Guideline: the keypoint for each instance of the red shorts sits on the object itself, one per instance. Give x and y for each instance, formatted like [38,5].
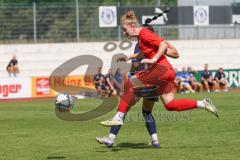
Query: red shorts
[158,75]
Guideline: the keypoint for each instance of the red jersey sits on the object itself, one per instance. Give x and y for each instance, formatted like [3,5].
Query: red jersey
[149,43]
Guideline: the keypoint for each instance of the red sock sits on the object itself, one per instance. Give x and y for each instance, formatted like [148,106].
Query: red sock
[181,105]
[128,98]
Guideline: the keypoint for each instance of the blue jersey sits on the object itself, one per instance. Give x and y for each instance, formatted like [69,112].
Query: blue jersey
[219,75]
[178,75]
[136,51]
[136,60]
[206,74]
[118,77]
[185,76]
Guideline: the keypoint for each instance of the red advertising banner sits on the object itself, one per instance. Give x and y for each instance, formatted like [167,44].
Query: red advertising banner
[15,88]
[41,87]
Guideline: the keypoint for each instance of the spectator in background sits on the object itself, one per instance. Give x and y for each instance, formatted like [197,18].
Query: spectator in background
[177,80]
[185,81]
[221,81]
[118,81]
[207,79]
[12,67]
[197,86]
[98,81]
[109,89]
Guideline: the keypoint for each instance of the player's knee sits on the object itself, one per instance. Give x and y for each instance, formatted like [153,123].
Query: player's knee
[170,106]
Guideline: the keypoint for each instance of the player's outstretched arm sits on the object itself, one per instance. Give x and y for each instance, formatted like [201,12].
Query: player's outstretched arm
[171,51]
[161,50]
[131,56]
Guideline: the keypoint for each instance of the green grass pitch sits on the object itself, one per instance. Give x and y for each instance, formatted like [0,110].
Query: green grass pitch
[31,131]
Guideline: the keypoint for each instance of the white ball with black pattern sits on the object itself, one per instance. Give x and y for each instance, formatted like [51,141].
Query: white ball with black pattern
[64,102]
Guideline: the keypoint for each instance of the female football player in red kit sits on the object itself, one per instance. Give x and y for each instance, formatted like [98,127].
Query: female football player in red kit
[147,103]
[159,73]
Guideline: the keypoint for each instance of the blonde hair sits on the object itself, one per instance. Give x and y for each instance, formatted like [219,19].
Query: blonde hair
[129,18]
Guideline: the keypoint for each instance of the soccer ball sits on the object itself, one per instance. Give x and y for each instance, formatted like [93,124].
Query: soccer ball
[64,102]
